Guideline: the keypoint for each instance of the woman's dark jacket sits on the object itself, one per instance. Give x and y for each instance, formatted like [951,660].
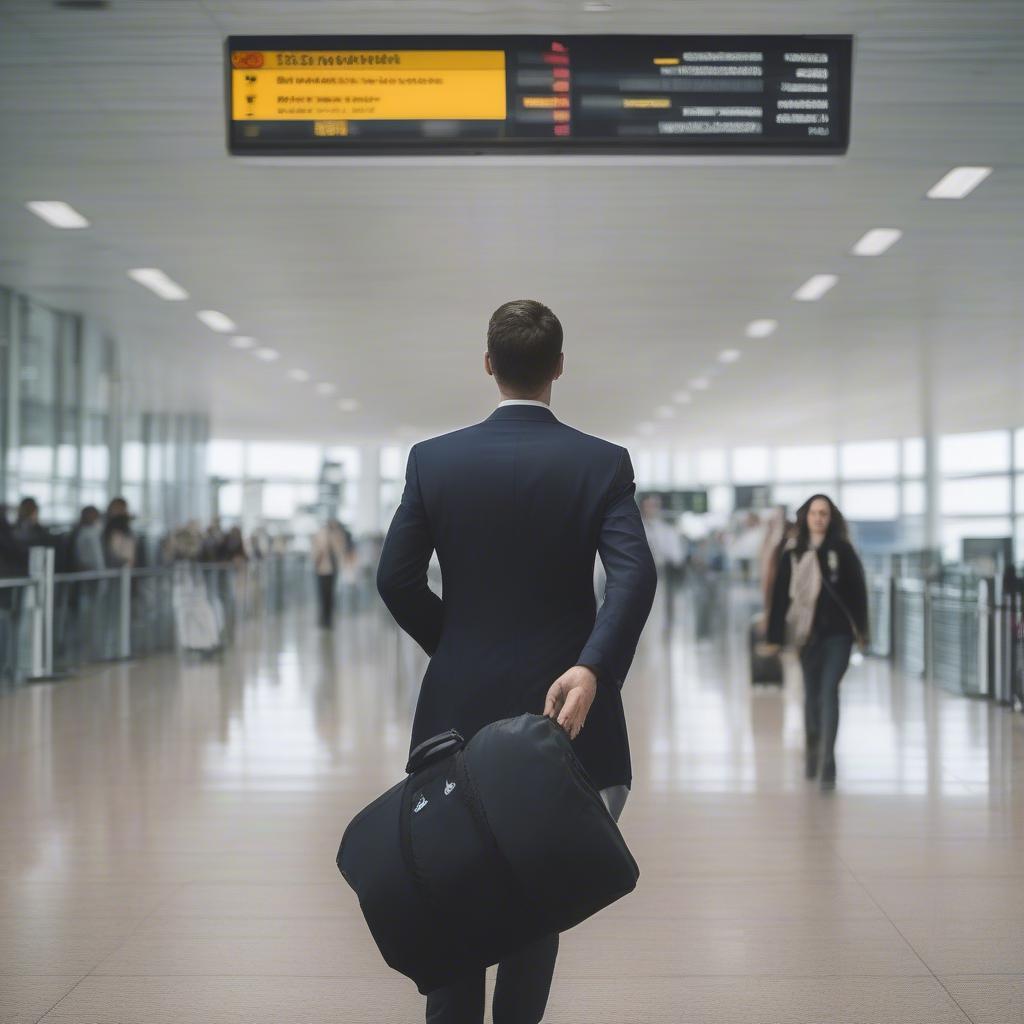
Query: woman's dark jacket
[842,602]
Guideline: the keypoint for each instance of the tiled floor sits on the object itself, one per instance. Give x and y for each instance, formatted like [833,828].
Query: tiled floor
[170,832]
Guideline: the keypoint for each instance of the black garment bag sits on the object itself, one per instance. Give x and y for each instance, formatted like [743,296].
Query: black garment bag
[483,848]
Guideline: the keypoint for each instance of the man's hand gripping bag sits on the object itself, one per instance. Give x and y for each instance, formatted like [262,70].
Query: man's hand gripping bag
[483,848]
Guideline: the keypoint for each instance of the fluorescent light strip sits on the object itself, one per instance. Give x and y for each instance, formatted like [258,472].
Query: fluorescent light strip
[242,342]
[159,283]
[348,404]
[217,321]
[876,241]
[729,355]
[761,328]
[700,384]
[57,214]
[959,182]
[299,376]
[325,388]
[813,288]
[267,355]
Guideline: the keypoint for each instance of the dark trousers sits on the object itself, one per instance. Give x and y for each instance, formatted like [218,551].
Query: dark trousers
[824,661]
[325,592]
[524,979]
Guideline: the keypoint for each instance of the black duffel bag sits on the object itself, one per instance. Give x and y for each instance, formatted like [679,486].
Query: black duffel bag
[483,848]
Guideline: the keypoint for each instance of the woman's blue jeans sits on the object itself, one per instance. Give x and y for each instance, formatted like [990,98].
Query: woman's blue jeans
[824,661]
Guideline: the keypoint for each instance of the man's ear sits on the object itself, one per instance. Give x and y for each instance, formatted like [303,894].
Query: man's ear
[487,364]
[560,369]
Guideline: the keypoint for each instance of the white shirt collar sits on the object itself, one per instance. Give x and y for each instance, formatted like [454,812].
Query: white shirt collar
[523,401]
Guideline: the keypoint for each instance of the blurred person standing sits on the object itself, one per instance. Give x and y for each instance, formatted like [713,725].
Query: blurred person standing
[119,541]
[13,554]
[666,549]
[213,542]
[819,607]
[517,507]
[777,532]
[28,531]
[87,541]
[327,549]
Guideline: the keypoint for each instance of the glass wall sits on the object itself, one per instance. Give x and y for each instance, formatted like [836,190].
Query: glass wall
[287,485]
[880,485]
[69,436]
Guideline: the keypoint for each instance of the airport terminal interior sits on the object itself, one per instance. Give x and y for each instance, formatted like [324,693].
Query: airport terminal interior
[249,250]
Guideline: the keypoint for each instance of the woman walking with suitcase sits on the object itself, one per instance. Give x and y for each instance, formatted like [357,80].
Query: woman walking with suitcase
[819,607]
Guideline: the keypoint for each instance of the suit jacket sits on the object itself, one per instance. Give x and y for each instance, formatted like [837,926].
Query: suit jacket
[517,507]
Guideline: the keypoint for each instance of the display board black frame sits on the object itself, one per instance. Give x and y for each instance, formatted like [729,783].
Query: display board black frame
[294,138]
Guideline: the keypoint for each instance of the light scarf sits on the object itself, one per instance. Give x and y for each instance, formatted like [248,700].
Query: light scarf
[804,588]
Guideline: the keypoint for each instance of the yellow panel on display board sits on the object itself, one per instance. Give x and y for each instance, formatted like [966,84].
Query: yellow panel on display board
[368,85]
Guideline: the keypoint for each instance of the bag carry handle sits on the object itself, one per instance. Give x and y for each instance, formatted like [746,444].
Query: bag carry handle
[434,749]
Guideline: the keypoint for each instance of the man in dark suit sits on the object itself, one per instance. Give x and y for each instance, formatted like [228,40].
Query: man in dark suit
[517,508]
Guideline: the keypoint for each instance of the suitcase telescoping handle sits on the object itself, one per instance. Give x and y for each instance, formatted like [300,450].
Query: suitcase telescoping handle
[434,749]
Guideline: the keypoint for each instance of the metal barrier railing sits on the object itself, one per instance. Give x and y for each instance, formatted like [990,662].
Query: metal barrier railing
[52,623]
[909,625]
[880,613]
[962,632]
[17,597]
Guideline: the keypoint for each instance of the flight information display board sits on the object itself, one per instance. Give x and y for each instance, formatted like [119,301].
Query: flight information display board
[537,94]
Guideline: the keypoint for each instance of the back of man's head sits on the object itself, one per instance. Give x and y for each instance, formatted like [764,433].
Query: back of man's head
[524,341]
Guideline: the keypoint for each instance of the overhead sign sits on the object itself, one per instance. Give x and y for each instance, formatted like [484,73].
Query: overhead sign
[529,94]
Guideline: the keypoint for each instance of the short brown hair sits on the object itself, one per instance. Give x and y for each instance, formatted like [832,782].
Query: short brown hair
[524,341]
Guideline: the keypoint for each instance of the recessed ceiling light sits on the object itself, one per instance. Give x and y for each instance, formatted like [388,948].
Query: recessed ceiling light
[348,404]
[159,283]
[241,341]
[325,388]
[761,328]
[299,376]
[597,7]
[814,287]
[664,412]
[57,214]
[268,355]
[876,241]
[217,321]
[959,182]
[700,384]
[682,397]
[729,355]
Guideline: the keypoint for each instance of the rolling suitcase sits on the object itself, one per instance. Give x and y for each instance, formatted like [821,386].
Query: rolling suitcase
[765,669]
[197,623]
[483,848]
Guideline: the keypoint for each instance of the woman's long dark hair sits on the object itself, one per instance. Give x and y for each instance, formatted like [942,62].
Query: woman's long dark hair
[836,531]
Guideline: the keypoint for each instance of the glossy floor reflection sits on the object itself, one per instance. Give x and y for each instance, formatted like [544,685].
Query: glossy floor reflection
[170,831]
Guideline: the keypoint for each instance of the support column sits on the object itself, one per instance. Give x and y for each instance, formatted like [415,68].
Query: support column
[368,502]
[932,533]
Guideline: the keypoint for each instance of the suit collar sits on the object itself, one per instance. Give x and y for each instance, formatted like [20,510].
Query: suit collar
[541,414]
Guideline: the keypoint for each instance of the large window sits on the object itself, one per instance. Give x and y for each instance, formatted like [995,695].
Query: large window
[874,501]
[979,486]
[870,460]
[806,462]
[287,484]
[751,465]
[975,453]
